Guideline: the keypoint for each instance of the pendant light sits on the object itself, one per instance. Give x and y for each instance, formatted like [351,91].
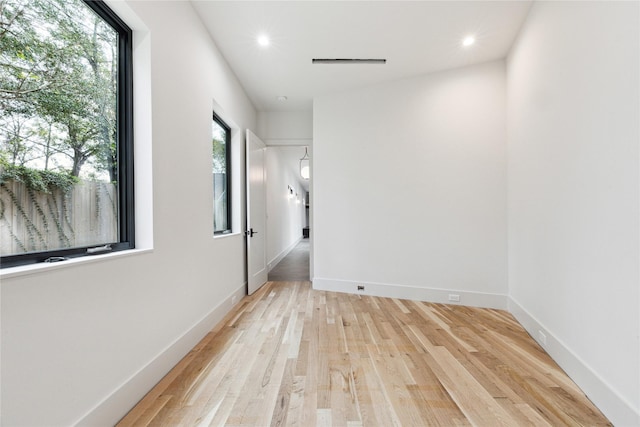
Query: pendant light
[304,165]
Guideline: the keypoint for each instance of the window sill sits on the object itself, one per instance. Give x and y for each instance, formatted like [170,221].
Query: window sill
[25,270]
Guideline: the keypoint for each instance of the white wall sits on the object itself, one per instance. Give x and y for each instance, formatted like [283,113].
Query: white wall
[286,127]
[409,187]
[573,130]
[284,213]
[83,342]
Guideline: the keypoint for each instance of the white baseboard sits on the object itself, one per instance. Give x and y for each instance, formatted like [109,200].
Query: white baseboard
[475,299]
[613,406]
[121,400]
[282,254]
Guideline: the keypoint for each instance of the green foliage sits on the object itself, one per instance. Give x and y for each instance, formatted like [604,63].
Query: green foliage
[37,180]
[219,148]
[219,156]
[58,87]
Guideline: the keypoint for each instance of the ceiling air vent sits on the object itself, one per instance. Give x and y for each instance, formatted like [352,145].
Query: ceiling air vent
[347,61]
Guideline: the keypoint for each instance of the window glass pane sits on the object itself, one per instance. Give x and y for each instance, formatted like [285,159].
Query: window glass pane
[221,200]
[58,127]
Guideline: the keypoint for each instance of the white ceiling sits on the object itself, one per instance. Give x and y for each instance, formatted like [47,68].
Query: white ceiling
[416,37]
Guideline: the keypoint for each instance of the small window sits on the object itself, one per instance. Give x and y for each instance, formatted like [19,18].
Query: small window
[66,148]
[221,146]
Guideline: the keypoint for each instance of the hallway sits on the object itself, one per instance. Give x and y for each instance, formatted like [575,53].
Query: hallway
[293,267]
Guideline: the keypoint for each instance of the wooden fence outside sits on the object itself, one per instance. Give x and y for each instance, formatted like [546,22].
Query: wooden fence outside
[32,221]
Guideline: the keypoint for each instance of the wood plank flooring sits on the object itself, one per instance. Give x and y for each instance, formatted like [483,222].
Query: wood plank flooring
[289,355]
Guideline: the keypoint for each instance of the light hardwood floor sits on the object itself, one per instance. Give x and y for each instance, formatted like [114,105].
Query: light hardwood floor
[289,355]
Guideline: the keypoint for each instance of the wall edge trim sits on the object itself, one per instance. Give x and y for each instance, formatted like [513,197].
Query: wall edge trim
[121,400]
[286,142]
[283,254]
[611,403]
[427,294]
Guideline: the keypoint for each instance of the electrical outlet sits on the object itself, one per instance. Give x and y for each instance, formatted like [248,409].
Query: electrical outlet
[454,297]
[542,338]
[361,287]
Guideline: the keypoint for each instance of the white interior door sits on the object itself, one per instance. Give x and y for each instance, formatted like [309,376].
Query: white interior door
[256,213]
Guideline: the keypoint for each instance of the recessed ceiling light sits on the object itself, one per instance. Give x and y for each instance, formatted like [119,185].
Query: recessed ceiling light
[263,40]
[468,41]
[282,98]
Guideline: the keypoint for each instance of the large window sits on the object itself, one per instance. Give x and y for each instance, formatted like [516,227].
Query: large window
[221,146]
[66,153]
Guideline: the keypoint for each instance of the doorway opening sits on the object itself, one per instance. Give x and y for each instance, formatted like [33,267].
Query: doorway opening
[287,202]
